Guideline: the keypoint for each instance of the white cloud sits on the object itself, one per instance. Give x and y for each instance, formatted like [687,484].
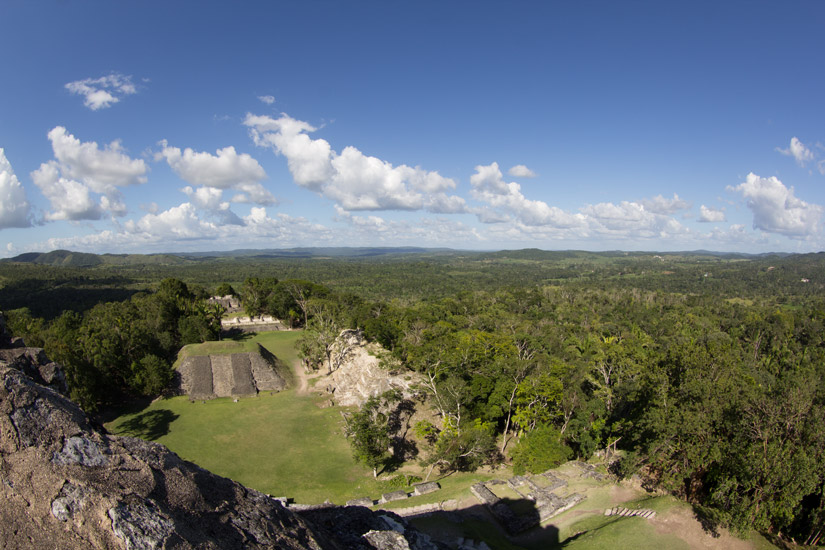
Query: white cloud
[661,205]
[268,99]
[207,198]
[179,222]
[210,199]
[100,169]
[81,169]
[15,210]
[521,171]
[630,220]
[100,93]
[224,170]
[70,199]
[181,228]
[776,209]
[798,151]
[353,180]
[711,215]
[489,187]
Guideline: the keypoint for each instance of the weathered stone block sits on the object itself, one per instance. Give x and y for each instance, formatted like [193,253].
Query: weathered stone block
[485,495]
[395,495]
[425,487]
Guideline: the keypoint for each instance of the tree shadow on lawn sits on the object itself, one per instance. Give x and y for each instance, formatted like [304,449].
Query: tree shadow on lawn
[149,425]
[237,335]
[708,519]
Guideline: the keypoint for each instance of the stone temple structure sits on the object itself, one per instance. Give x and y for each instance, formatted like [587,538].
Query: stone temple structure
[232,375]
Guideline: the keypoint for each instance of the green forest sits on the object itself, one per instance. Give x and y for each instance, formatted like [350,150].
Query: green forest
[702,372]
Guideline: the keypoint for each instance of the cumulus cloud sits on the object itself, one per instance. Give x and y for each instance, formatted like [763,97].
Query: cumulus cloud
[630,219]
[776,209]
[211,200]
[268,99]
[798,151]
[224,170]
[80,169]
[183,228]
[70,199]
[179,222]
[711,215]
[353,180]
[15,210]
[661,205]
[488,186]
[100,169]
[521,171]
[103,92]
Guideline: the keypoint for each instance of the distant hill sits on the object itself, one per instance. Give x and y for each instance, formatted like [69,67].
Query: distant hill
[66,258]
[317,252]
[58,257]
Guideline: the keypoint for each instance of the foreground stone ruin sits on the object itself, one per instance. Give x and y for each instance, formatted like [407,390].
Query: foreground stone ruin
[540,489]
[64,483]
[235,375]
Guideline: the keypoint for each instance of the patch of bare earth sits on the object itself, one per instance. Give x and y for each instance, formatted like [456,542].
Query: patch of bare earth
[682,523]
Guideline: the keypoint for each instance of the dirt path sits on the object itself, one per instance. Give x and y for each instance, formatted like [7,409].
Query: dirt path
[301,376]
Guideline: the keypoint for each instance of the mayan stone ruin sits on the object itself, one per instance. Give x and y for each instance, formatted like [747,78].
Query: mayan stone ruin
[234,375]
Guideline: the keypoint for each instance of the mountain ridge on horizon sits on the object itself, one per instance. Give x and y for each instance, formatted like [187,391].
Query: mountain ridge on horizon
[70,258]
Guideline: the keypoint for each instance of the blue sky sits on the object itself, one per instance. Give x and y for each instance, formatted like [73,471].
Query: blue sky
[187,126]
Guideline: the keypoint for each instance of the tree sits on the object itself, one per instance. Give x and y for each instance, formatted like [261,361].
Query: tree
[369,435]
[462,450]
[538,400]
[225,289]
[317,343]
[151,375]
[539,450]
[255,293]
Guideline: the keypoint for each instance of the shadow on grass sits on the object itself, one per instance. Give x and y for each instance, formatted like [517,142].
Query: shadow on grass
[237,335]
[150,425]
[709,521]
[480,523]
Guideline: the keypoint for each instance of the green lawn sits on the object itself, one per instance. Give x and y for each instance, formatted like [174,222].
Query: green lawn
[623,534]
[281,443]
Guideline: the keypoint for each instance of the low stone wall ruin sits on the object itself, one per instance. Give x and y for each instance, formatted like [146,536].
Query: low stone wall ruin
[547,503]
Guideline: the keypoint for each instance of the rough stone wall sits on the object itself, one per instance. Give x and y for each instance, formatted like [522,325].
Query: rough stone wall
[32,361]
[65,485]
[361,374]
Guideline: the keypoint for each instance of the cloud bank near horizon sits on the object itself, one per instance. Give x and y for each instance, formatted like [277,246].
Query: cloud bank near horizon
[84,182]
